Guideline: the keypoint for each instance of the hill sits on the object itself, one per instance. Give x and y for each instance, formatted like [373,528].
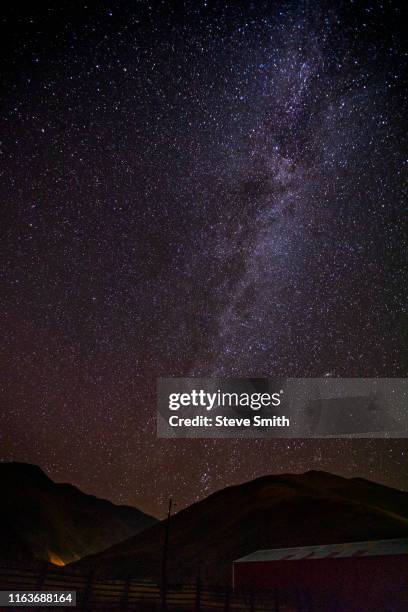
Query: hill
[269,512]
[43,520]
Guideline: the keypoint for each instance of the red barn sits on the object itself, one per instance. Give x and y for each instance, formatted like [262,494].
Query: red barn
[358,576]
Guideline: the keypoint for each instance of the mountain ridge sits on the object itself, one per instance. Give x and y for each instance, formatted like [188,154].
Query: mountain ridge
[41,520]
[268,512]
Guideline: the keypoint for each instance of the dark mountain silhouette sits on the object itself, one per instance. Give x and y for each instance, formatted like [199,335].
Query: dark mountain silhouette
[269,512]
[43,520]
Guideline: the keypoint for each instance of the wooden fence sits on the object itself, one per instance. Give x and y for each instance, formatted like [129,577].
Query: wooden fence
[94,593]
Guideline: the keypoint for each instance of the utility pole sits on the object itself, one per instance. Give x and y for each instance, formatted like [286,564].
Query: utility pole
[164,559]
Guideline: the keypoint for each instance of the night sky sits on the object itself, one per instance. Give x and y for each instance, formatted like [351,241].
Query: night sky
[196,189]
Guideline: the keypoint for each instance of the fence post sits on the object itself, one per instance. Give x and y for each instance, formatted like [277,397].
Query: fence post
[309,601]
[198,593]
[86,598]
[42,577]
[276,597]
[163,594]
[252,601]
[125,595]
[227,599]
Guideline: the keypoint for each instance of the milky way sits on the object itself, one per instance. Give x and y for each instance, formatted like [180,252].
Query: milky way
[206,188]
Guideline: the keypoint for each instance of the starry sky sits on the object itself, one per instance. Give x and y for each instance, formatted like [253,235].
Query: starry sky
[196,189]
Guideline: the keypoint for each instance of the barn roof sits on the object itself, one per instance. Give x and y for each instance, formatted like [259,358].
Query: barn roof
[350,549]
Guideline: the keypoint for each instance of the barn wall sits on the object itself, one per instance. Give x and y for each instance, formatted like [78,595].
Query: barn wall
[361,583]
